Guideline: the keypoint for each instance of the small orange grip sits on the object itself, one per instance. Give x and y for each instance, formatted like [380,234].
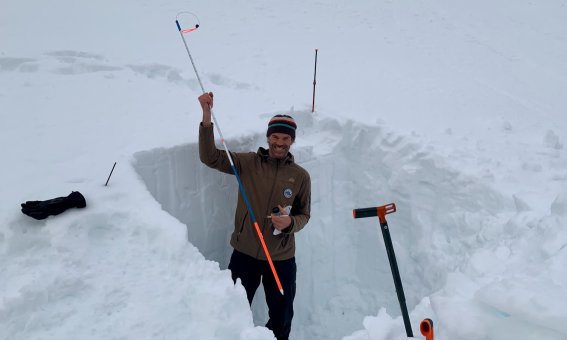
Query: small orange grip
[385,210]
[426,328]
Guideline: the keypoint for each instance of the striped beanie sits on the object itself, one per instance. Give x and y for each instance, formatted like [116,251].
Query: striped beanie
[282,124]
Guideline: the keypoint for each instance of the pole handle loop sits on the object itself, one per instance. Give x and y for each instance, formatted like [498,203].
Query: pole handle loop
[186,30]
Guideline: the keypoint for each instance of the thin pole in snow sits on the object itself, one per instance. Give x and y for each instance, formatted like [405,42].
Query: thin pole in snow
[108,179]
[240,185]
[314,81]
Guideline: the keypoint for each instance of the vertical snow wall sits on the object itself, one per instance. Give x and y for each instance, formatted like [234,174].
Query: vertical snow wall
[343,270]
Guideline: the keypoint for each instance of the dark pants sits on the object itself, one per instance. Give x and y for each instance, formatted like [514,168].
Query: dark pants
[280,307]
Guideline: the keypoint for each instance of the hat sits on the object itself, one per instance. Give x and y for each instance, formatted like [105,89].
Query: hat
[282,124]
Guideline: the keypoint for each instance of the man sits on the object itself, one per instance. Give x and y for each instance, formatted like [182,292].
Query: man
[271,179]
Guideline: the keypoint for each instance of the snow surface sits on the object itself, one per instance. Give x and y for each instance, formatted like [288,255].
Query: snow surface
[456,111]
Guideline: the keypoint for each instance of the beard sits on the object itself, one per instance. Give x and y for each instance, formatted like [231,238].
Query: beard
[278,151]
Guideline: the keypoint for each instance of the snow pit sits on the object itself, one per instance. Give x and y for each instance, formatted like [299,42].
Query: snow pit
[343,270]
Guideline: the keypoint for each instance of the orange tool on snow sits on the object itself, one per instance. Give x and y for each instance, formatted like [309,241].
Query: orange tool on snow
[426,328]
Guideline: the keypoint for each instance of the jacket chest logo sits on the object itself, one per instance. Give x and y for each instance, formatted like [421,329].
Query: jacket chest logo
[287,193]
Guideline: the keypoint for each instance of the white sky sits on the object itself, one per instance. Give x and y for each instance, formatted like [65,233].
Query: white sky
[455,111]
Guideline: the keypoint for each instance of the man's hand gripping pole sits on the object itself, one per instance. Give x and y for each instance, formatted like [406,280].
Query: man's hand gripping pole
[240,185]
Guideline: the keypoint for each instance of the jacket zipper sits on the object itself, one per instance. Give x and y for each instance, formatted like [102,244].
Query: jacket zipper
[241,226]
[269,212]
[270,200]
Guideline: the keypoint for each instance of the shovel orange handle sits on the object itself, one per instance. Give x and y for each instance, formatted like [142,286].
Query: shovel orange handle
[426,328]
[381,212]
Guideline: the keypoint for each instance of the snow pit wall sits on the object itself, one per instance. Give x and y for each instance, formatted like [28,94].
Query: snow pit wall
[343,270]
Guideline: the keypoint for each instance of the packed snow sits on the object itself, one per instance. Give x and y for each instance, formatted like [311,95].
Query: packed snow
[454,111]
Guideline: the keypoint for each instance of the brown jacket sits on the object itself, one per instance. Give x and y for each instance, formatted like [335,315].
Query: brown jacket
[268,183]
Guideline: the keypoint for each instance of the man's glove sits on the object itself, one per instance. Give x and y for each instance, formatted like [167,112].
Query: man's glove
[42,209]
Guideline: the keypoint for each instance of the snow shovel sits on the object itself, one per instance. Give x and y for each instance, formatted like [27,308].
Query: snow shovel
[426,326]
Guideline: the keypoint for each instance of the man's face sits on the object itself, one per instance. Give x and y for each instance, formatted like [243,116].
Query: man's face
[279,144]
